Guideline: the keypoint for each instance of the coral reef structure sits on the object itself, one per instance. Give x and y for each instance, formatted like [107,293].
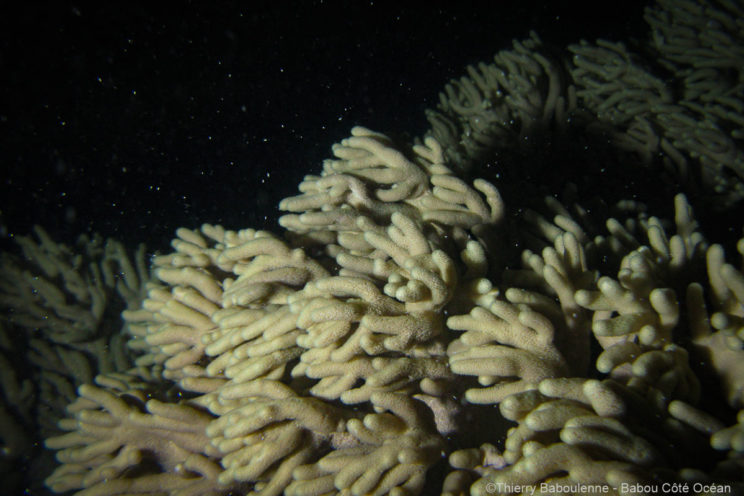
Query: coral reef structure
[479,312]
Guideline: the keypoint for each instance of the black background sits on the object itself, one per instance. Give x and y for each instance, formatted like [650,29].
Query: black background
[132,119]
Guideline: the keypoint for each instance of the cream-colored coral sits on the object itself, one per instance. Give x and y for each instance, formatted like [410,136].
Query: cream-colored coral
[281,339]
[264,336]
[268,432]
[608,90]
[508,349]
[66,292]
[500,103]
[336,368]
[366,348]
[383,453]
[576,432]
[114,429]
[59,323]
[698,129]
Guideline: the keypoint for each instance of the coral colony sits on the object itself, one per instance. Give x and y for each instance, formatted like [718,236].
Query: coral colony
[483,311]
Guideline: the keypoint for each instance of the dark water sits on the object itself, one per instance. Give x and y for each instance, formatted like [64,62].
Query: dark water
[133,120]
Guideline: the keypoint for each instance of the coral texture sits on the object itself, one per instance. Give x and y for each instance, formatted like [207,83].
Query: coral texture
[416,328]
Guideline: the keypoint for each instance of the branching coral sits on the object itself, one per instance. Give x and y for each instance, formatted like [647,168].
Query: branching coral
[336,367]
[679,104]
[413,331]
[114,428]
[59,328]
[313,376]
